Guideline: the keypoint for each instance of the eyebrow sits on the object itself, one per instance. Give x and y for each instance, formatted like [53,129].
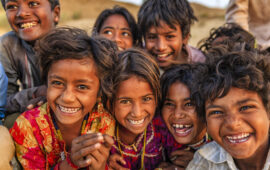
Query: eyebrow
[237,103]
[168,99]
[77,81]
[119,98]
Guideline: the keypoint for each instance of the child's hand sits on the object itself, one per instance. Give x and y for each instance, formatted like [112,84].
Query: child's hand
[181,158]
[83,146]
[114,162]
[38,98]
[99,156]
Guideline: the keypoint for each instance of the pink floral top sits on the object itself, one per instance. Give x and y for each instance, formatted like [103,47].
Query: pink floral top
[36,140]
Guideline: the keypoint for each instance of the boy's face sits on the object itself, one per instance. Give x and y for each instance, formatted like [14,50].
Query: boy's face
[31,19]
[116,28]
[181,117]
[71,96]
[165,43]
[134,105]
[239,123]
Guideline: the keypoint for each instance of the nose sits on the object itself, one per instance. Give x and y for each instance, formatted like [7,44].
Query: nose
[136,109]
[67,95]
[117,38]
[23,11]
[161,44]
[179,113]
[232,121]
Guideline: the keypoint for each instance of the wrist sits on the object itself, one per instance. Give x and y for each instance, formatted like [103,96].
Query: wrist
[70,163]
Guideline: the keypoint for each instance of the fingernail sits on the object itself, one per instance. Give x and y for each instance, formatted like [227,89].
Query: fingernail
[88,160]
[97,145]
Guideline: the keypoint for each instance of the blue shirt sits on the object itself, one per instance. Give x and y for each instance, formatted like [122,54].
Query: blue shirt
[3,91]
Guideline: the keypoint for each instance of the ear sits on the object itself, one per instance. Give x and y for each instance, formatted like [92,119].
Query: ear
[185,40]
[56,12]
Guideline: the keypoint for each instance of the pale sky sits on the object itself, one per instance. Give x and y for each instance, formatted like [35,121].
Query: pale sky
[210,3]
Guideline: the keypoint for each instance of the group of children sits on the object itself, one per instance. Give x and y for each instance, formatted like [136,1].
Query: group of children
[132,95]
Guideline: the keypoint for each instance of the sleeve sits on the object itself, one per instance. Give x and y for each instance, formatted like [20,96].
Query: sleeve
[28,152]
[237,12]
[3,91]
[198,163]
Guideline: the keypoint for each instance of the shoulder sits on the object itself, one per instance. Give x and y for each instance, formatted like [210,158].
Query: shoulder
[195,55]
[210,156]
[8,38]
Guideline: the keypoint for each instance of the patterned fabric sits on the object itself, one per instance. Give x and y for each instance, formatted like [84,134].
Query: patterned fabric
[36,140]
[157,138]
[212,156]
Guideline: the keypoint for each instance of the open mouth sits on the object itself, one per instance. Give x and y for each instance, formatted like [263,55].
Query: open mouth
[68,109]
[27,25]
[182,130]
[136,122]
[240,138]
[162,57]
[121,49]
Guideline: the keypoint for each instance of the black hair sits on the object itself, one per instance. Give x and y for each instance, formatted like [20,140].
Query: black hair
[73,43]
[188,74]
[53,3]
[120,11]
[241,69]
[172,12]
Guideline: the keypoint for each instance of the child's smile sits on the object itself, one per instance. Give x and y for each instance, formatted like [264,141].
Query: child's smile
[71,96]
[180,116]
[31,19]
[239,123]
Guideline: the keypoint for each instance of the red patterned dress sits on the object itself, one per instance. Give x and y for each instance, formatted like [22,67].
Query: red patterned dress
[38,145]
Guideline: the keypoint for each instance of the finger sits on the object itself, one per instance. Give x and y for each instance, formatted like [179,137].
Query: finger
[85,151]
[40,103]
[30,106]
[85,141]
[88,137]
[108,141]
[117,166]
[84,162]
[118,158]
[181,163]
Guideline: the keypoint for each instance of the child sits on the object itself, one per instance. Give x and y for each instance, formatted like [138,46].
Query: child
[63,133]
[138,138]
[118,25]
[29,20]
[179,108]
[165,27]
[235,92]
[3,92]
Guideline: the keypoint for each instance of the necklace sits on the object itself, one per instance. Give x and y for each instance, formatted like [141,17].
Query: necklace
[197,145]
[134,147]
[62,143]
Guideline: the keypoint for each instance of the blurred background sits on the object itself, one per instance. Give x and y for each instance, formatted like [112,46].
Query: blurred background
[82,14]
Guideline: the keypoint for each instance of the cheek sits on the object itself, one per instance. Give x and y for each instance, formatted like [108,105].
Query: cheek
[165,115]
[213,128]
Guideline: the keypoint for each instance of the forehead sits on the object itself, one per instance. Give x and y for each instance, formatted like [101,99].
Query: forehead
[115,20]
[163,27]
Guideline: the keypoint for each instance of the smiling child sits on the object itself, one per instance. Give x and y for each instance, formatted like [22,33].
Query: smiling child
[235,92]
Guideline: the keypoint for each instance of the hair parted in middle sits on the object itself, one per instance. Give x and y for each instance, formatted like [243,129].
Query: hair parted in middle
[172,12]
[73,43]
[136,62]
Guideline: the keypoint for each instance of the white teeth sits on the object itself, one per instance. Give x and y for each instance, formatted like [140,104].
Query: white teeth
[162,55]
[120,49]
[68,110]
[238,138]
[136,122]
[28,25]
[181,126]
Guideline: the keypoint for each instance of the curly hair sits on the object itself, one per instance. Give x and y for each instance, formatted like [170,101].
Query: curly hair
[228,34]
[53,3]
[172,12]
[188,74]
[120,11]
[135,62]
[73,43]
[241,69]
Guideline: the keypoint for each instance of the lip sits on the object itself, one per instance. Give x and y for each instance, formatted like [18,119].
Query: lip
[182,130]
[68,110]
[24,25]
[238,138]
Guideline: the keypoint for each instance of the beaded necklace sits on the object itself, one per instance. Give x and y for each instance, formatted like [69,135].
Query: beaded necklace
[62,143]
[144,143]
[204,140]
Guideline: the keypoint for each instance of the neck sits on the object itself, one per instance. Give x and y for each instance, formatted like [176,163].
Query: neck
[256,161]
[126,136]
[70,131]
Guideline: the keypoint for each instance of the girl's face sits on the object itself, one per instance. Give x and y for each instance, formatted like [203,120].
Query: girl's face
[71,96]
[116,28]
[180,116]
[135,105]
[239,123]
